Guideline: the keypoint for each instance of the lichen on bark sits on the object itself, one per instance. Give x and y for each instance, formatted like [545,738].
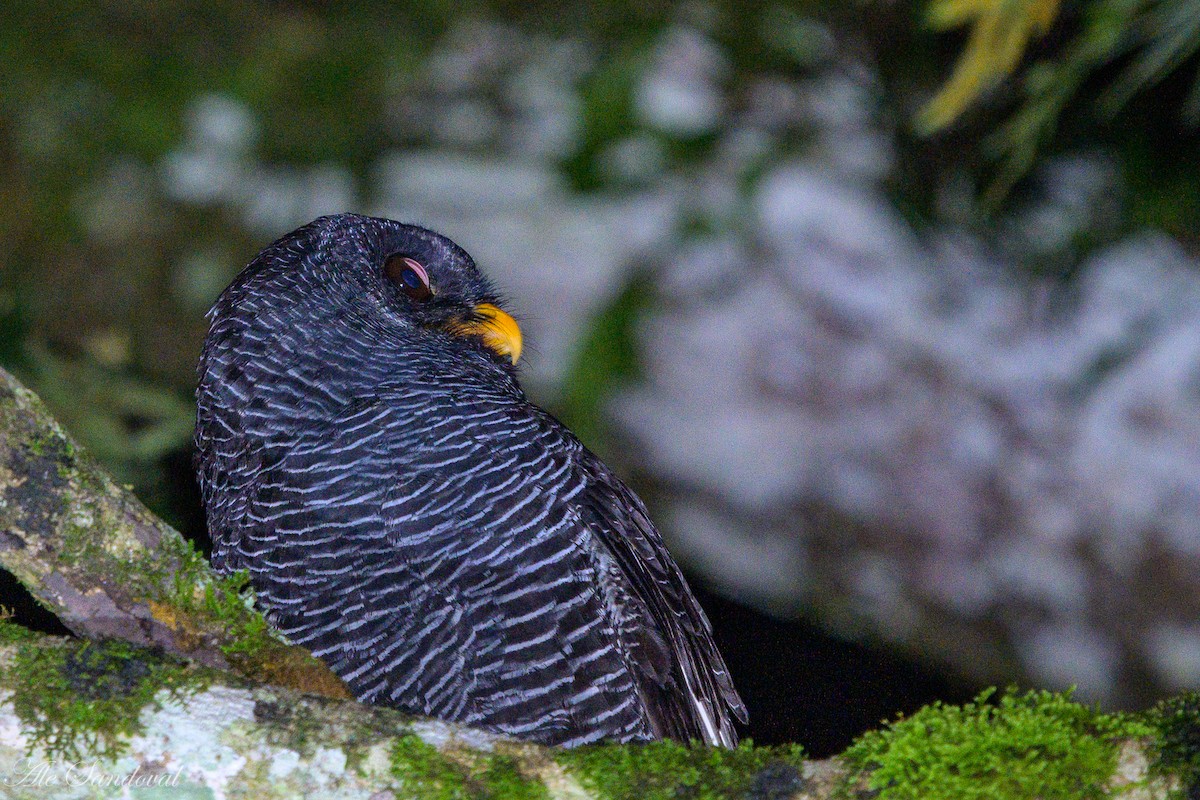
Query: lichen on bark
[84,699]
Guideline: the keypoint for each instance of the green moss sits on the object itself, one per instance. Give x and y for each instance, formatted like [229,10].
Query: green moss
[175,579]
[1177,745]
[184,594]
[1040,744]
[668,770]
[11,632]
[53,444]
[221,602]
[426,773]
[501,778]
[87,698]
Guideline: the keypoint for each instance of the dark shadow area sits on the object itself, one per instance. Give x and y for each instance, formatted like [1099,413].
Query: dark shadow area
[802,685]
[186,509]
[25,610]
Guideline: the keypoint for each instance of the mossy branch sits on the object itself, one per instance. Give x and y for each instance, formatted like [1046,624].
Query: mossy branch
[215,709]
[92,554]
[75,712]
[70,709]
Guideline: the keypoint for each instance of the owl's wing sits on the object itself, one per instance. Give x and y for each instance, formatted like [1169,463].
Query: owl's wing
[687,687]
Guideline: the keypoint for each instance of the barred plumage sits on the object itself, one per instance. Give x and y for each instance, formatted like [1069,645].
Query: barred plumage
[446,546]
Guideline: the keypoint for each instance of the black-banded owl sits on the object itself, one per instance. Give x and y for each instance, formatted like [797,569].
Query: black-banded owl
[366,453]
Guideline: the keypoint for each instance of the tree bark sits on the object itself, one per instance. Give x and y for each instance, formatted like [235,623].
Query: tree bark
[92,554]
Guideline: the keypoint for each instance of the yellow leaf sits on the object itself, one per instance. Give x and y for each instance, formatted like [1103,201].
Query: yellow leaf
[1000,32]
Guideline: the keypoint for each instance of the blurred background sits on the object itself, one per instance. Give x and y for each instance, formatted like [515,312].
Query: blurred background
[891,310]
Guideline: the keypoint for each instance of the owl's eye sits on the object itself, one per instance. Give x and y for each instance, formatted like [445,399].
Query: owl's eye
[409,276]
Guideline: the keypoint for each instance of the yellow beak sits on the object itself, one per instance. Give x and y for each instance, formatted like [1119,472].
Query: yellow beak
[498,330]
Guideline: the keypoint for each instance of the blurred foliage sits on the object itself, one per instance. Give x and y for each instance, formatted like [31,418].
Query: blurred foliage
[1144,40]
[95,303]
[605,360]
[107,263]
[1000,32]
